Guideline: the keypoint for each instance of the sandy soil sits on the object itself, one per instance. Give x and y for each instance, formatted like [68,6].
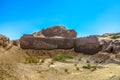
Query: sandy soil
[12,67]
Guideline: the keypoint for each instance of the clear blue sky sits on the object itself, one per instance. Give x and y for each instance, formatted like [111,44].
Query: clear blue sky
[87,17]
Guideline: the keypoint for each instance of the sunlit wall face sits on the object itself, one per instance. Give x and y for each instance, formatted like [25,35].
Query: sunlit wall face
[87,17]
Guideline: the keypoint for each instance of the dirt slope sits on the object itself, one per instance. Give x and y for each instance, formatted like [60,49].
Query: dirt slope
[12,67]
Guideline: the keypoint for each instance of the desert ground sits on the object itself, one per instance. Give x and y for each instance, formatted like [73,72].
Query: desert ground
[13,65]
[42,57]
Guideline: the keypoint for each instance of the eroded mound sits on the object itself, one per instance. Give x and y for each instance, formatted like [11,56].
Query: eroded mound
[61,62]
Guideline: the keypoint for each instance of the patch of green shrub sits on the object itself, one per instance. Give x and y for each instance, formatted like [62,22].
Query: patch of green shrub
[79,59]
[88,66]
[68,57]
[114,37]
[75,64]
[62,57]
[59,58]
[31,59]
[87,61]
[77,68]
[42,60]
[65,70]
[52,62]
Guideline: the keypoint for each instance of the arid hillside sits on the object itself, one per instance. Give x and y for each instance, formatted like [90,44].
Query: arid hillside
[88,58]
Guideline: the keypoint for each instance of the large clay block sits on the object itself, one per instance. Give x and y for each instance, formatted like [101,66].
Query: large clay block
[30,42]
[60,31]
[88,45]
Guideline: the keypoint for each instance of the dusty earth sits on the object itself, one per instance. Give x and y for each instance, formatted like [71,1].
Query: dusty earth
[13,66]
